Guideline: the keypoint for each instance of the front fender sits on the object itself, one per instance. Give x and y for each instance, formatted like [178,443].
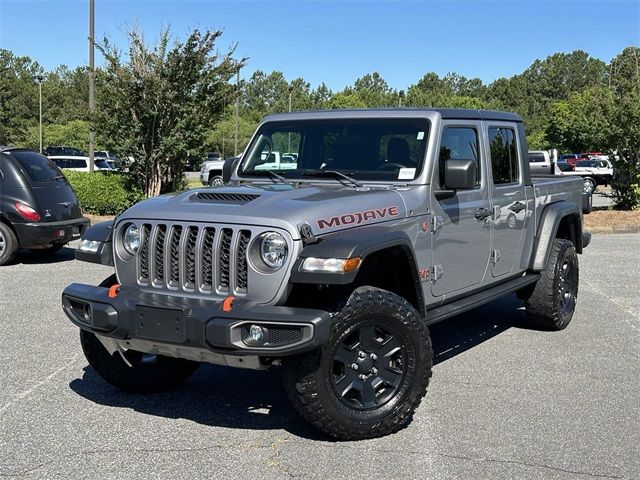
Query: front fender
[102,233]
[356,242]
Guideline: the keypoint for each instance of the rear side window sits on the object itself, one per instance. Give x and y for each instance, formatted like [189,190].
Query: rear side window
[38,167]
[504,155]
[536,158]
[459,143]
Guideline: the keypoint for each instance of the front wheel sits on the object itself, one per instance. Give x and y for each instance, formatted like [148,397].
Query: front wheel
[367,381]
[140,373]
[216,181]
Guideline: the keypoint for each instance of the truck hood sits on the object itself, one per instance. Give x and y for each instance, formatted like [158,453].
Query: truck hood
[324,207]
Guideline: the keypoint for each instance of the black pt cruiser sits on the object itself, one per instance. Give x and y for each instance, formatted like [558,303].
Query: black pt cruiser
[38,208]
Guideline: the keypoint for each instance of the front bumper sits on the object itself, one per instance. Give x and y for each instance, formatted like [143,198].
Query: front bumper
[134,317]
[42,234]
[204,178]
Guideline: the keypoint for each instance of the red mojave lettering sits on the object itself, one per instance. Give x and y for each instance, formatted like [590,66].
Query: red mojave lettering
[358,217]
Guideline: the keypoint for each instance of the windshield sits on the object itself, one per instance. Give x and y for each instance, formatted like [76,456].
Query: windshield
[38,167]
[373,149]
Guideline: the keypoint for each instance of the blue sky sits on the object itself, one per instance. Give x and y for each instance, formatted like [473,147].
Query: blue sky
[338,41]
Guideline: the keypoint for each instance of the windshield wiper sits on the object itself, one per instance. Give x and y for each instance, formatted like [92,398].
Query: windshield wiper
[333,174]
[58,177]
[266,173]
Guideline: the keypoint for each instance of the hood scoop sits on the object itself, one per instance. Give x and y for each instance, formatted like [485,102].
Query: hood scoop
[221,197]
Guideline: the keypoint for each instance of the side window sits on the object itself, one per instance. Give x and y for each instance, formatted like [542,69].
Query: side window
[459,143]
[504,155]
[536,158]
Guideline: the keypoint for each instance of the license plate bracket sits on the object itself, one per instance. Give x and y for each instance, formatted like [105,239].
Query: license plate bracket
[160,324]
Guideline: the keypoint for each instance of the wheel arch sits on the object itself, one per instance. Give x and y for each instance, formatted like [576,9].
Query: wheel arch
[388,262]
[559,220]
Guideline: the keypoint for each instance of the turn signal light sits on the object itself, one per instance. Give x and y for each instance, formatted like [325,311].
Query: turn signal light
[27,212]
[331,265]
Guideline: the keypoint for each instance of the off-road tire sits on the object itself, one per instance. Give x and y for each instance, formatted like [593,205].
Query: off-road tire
[545,306]
[308,378]
[164,373]
[8,243]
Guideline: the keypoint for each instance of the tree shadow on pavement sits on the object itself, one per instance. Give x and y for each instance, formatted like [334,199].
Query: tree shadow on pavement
[27,257]
[249,399]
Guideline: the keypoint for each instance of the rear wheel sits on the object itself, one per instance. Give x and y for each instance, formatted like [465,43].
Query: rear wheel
[589,185]
[370,377]
[8,244]
[552,301]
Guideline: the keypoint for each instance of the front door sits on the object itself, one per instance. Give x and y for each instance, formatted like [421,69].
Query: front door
[461,234]
[508,196]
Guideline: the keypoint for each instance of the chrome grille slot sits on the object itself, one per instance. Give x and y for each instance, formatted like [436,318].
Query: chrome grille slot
[190,258]
[157,254]
[143,257]
[224,259]
[174,256]
[241,260]
[207,259]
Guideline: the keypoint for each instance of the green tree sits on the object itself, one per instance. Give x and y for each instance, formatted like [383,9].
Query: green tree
[159,102]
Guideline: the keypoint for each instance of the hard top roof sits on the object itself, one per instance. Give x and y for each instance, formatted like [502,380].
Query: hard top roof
[408,112]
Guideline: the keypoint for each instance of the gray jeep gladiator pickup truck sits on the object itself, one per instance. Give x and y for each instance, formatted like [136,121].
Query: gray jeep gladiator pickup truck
[391,220]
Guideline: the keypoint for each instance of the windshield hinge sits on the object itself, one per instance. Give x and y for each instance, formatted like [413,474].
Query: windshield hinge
[437,223]
[437,272]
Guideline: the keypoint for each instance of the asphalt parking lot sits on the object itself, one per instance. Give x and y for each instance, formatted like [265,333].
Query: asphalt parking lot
[506,402]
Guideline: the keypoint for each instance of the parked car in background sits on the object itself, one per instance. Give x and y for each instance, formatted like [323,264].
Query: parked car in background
[80,163]
[593,172]
[111,159]
[52,150]
[38,208]
[570,158]
[211,170]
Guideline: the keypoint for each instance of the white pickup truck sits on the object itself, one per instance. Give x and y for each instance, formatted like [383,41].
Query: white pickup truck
[595,171]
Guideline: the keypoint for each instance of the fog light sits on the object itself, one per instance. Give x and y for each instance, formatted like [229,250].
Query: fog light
[256,334]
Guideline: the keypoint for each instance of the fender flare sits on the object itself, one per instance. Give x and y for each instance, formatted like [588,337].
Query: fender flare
[103,234]
[550,221]
[360,242]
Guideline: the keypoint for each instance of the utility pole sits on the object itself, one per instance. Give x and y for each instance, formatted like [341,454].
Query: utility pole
[40,78]
[224,114]
[237,112]
[400,97]
[92,76]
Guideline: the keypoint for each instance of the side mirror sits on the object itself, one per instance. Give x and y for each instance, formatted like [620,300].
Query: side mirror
[460,174]
[228,168]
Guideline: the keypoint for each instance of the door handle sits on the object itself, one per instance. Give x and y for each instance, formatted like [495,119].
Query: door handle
[517,207]
[483,213]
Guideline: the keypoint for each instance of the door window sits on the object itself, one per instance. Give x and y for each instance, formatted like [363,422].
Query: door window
[504,155]
[459,143]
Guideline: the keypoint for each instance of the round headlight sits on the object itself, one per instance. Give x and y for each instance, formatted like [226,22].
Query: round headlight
[273,250]
[131,239]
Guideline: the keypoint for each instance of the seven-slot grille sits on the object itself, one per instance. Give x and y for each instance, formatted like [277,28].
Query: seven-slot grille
[194,258]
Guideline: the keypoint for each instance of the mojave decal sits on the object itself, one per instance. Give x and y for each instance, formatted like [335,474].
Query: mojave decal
[358,217]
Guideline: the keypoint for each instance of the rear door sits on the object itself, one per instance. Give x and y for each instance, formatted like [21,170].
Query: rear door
[55,197]
[461,240]
[508,198]
[539,164]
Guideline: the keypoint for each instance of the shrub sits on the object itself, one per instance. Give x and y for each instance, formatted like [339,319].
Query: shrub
[104,193]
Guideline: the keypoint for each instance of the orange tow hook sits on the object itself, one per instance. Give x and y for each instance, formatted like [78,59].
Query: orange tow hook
[226,305]
[113,291]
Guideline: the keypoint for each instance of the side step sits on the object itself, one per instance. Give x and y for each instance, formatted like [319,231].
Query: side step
[485,296]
